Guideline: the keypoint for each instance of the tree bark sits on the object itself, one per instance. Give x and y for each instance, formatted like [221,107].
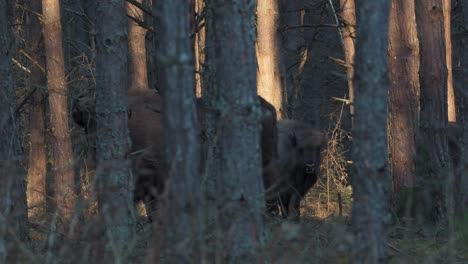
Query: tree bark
[13,207]
[36,190]
[57,87]
[270,73]
[447,6]
[370,177]
[199,44]
[433,165]
[137,49]
[348,17]
[403,57]
[233,184]
[175,59]
[113,143]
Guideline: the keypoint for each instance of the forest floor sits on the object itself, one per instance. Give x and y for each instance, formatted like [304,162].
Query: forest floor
[321,236]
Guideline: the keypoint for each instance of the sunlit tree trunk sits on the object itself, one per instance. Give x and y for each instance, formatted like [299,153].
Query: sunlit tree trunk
[403,59]
[60,133]
[434,166]
[370,178]
[452,115]
[138,75]
[113,143]
[233,185]
[13,209]
[36,191]
[293,52]
[270,72]
[175,59]
[199,45]
[348,16]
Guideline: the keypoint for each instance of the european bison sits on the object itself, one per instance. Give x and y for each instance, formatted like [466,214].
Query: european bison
[146,134]
[298,166]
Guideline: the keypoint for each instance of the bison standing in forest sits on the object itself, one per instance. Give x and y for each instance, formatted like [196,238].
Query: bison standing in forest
[146,134]
[297,168]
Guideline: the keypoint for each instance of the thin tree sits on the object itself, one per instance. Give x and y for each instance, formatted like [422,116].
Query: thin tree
[13,208]
[447,6]
[293,53]
[270,71]
[403,60]
[433,166]
[60,133]
[233,184]
[175,59]
[348,18]
[113,143]
[36,191]
[370,176]
[199,44]
[138,75]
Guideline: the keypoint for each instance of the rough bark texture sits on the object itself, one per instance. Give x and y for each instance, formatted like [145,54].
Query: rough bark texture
[13,208]
[403,59]
[370,176]
[36,191]
[233,184]
[136,49]
[433,166]
[462,95]
[348,17]
[270,73]
[447,6]
[175,58]
[60,133]
[113,144]
[293,51]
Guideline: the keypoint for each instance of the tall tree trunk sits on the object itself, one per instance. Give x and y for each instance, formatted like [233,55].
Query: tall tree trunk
[403,57]
[13,207]
[113,143]
[433,166]
[348,17]
[370,178]
[57,86]
[136,49]
[293,55]
[36,191]
[462,179]
[199,44]
[233,185]
[447,6]
[270,73]
[175,59]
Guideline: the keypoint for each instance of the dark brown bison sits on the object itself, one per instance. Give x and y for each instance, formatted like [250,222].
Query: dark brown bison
[146,134]
[297,168]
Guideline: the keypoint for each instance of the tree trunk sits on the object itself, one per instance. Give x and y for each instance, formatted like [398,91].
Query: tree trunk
[348,17]
[36,191]
[199,44]
[293,47]
[403,58]
[462,179]
[233,184]
[13,207]
[270,73]
[175,59]
[452,115]
[434,166]
[137,50]
[113,143]
[370,178]
[61,143]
